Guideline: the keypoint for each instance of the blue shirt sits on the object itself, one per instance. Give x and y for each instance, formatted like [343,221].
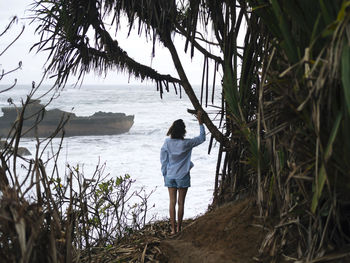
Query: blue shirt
[175,155]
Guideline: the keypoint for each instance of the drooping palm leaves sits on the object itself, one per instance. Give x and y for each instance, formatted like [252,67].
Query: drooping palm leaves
[71,50]
[286,96]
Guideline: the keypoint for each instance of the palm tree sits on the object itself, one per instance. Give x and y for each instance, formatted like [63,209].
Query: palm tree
[284,117]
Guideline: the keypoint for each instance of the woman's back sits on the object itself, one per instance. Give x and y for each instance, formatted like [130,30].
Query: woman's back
[176,155]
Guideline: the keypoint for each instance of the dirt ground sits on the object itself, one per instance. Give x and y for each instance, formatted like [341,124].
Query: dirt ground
[228,234]
[232,233]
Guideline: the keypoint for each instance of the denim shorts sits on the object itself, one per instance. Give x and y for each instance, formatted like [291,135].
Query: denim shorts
[178,183]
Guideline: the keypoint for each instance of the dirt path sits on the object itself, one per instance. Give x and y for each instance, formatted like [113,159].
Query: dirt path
[225,235]
[229,234]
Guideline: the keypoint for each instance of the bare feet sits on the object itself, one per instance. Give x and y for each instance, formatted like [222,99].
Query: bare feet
[173,231]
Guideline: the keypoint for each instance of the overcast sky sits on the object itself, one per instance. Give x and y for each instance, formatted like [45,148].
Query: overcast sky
[33,63]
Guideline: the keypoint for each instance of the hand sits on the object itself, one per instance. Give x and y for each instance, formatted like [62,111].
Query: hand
[199,116]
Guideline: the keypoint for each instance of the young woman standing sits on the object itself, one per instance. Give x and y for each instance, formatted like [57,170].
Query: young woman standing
[175,158]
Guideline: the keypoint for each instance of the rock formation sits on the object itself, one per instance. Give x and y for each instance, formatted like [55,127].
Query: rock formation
[43,123]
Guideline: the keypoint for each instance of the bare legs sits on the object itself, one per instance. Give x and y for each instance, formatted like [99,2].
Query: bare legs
[181,205]
[172,203]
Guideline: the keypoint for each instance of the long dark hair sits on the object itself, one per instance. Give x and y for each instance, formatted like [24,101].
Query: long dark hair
[177,130]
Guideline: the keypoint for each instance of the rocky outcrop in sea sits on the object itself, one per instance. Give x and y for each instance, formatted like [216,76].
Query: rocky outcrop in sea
[38,121]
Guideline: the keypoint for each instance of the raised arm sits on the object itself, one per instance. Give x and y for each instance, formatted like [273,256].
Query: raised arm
[201,138]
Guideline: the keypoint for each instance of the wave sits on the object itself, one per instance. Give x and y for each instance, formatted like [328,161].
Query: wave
[146,132]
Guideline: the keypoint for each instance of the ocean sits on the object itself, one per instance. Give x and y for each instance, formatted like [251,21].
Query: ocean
[137,152]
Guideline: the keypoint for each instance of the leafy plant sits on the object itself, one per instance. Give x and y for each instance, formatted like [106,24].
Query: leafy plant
[44,218]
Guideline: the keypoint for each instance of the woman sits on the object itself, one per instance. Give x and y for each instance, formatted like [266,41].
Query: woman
[175,158]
